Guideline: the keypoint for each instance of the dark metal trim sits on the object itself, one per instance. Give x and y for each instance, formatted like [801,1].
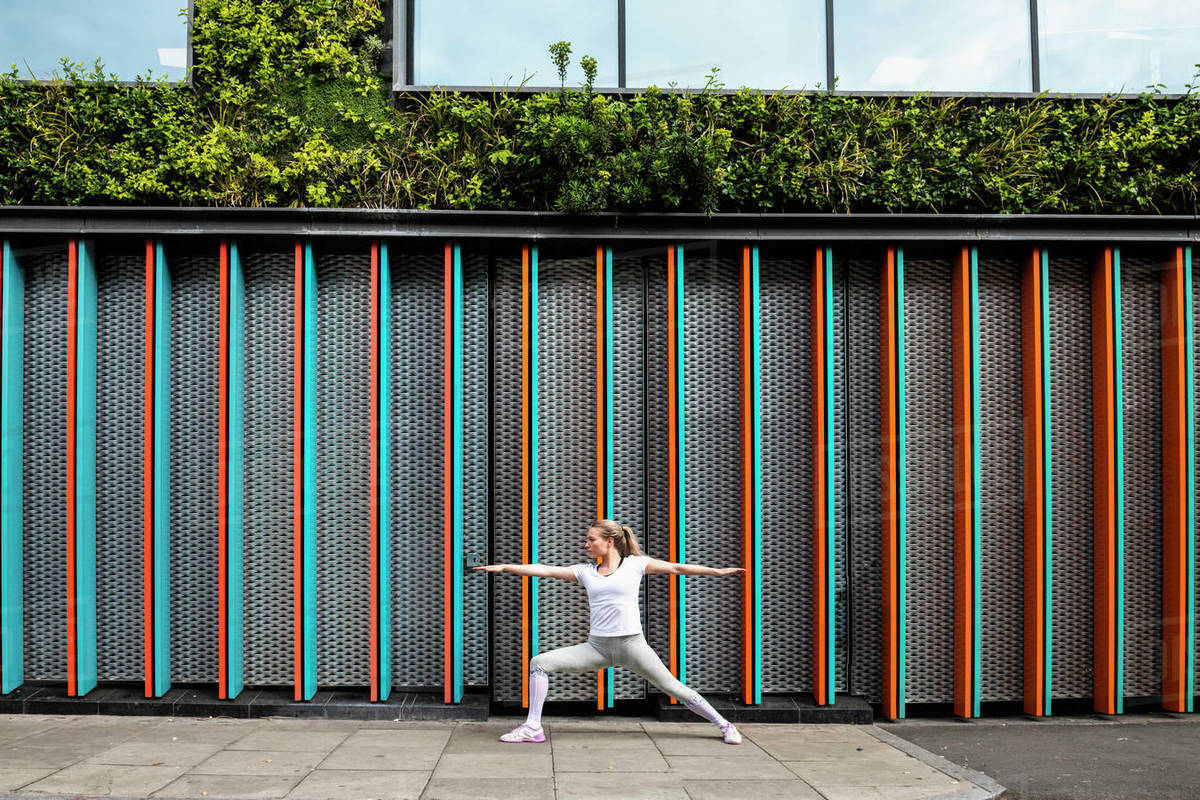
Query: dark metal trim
[536,225]
[1034,47]
[621,43]
[830,74]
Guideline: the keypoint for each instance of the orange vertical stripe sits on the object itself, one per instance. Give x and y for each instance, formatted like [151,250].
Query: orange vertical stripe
[820,634]
[1174,452]
[747,480]
[298,480]
[1105,485]
[448,480]
[525,476]
[1032,394]
[72,330]
[890,520]
[601,390]
[148,480]
[374,470]
[673,488]
[222,478]
[963,564]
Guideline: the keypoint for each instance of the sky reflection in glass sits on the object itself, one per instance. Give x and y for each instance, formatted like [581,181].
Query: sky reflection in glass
[767,44]
[130,38]
[917,45]
[487,42]
[1117,45]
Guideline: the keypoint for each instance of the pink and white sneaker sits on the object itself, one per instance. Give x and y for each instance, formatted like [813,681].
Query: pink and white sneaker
[524,733]
[730,734]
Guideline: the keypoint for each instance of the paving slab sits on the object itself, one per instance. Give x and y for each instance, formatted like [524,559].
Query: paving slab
[383,758]
[795,789]
[729,767]
[259,762]
[156,754]
[619,760]
[489,789]
[398,737]
[379,785]
[289,740]
[230,787]
[13,779]
[104,779]
[486,765]
[606,786]
[58,757]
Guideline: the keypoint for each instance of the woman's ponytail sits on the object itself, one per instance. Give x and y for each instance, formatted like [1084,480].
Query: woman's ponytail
[621,535]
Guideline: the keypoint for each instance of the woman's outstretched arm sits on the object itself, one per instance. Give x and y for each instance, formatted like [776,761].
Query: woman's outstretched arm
[657,566]
[534,570]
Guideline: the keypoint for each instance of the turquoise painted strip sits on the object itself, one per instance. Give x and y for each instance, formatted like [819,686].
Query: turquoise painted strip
[458,475]
[309,557]
[901,488]
[12,600]
[1047,490]
[1119,400]
[162,473]
[756,465]
[976,516]
[235,438]
[680,451]
[533,439]
[830,516]
[85,473]
[385,474]
[609,507]
[1189,378]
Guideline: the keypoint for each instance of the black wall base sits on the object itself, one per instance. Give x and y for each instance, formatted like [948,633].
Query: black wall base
[775,709]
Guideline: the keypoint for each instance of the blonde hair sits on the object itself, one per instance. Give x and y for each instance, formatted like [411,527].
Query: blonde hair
[620,535]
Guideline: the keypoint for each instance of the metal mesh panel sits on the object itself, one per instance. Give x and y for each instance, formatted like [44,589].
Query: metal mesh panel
[785,385]
[1141,367]
[120,454]
[476,480]
[1071,474]
[929,428]
[195,435]
[267,480]
[566,452]
[863,275]
[344,468]
[658,604]
[712,467]
[841,487]
[1001,480]
[507,673]
[628,423]
[417,461]
[45,465]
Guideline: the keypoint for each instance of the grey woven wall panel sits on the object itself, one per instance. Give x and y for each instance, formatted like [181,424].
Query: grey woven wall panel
[865,462]
[120,454]
[628,424]
[1001,480]
[785,404]
[566,453]
[1070,319]
[656,543]
[344,468]
[476,447]
[1142,396]
[929,430]
[267,481]
[417,461]
[195,436]
[712,467]
[507,670]
[841,483]
[44,487]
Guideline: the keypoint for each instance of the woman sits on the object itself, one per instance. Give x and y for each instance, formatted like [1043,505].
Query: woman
[615,639]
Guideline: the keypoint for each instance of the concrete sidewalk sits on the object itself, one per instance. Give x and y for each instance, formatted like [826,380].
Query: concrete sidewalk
[613,758]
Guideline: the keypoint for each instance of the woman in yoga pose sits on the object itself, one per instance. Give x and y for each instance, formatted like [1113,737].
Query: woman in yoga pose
[615,638]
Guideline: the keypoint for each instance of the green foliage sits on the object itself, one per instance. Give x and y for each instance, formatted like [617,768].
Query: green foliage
[287,107]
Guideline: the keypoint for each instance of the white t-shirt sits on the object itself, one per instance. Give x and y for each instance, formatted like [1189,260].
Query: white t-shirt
[614,597]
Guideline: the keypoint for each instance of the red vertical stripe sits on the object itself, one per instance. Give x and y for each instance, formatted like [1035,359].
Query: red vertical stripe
[298,481]
[890,480]
[1175,454]
[963,563]
[747,420]
[1105,486]
[673,488]
[448,481]
[374,535]
[820,635]
[148,477]
[526,477]
[1032,394]
[72,351]
[223,483]
[601,423]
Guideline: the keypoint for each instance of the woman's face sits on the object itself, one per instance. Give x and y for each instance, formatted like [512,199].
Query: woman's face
[596,544]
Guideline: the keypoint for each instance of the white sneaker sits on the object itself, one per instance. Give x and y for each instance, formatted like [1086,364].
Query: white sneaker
[524,733]
[730,734]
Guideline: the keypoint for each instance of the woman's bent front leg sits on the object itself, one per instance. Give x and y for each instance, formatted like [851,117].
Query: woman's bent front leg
[577,658]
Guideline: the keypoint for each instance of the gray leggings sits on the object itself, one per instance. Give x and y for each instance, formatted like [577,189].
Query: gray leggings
[631,652]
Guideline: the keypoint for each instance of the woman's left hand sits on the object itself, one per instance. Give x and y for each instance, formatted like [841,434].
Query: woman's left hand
[730,571]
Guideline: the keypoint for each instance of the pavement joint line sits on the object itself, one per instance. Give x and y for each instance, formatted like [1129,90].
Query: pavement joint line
[982,786]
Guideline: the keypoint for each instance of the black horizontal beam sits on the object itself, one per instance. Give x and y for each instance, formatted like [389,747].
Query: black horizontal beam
[534,225]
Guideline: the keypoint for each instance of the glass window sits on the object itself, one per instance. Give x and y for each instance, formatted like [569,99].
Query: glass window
[767,44]
[918,45]
[486,43]
[130,38]
[1117,45]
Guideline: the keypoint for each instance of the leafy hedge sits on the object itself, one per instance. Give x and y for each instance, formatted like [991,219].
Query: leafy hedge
[287,108]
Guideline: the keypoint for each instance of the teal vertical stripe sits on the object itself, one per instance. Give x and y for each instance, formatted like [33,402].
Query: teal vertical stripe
[902,488]
[830,516]
[458,475]
[756,466]
[11,473]
[1119,402]
[1190,566]
[976,516]
[609,508]
[385,474]
[85,472]
[162,474]
[533,444]
[234,510]
[309,556]
[1047,488]
[679,458]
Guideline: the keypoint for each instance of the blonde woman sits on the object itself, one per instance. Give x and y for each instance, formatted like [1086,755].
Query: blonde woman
[615,638]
